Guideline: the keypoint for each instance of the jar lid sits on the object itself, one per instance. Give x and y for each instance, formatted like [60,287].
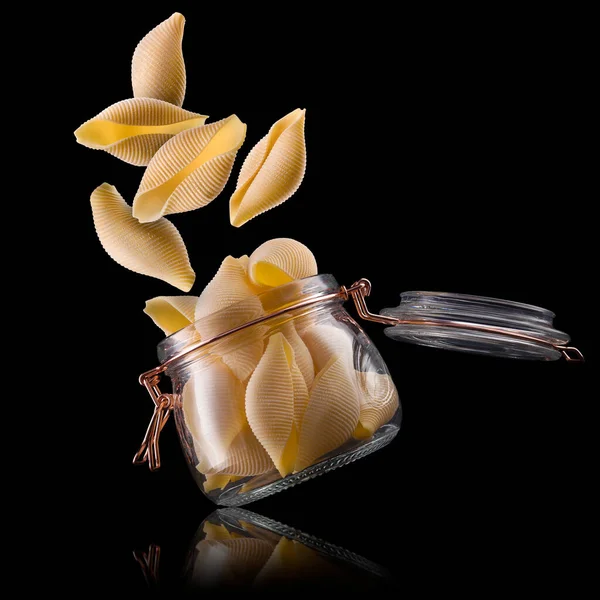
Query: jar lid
[476,324]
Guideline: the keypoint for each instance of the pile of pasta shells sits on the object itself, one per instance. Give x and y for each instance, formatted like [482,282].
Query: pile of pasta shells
[188,162]
[286,395]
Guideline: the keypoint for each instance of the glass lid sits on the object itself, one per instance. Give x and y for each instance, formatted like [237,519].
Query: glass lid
[476,324]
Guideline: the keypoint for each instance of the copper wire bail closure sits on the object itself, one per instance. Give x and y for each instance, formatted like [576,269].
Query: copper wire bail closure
[164,403]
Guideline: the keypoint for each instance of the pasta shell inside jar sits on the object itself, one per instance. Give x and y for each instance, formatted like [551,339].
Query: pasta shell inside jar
[299,393]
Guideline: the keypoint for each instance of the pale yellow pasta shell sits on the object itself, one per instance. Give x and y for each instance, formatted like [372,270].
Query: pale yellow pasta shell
[272,171]
[302,354]
[300,395]
[227,302]
[325,341]
[378,403]
[171,313]
[213,409]
[190,170]
[153,249]
[279,261]
[270,404]
[332,412]
[133,130]
[157,67]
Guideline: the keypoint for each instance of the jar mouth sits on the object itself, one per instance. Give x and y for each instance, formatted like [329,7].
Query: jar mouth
[268,302]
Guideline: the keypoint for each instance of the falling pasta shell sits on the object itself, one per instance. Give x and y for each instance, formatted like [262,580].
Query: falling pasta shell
[213,408]
[332,413]
[190,170]
[279,261]
[153,249]
[157,67]
[171,313]
[378,403]
[272,171]
[270,404]
[133,130]
[227,302]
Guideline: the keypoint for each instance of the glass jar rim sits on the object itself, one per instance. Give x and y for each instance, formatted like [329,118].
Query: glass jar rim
[271,302]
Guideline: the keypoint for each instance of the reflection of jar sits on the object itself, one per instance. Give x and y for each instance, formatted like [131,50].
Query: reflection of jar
[284,386]
[236,548]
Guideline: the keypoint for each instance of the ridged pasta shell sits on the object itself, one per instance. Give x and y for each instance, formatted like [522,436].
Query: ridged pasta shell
[213,408]
[246,456]
[272,171]
[221,564]
[300,395]
[280,261]
[227,302]
[153,249]
[302,354]
[157,67]
[270,404]
[171,313]
[378,403]
[133,130]
[190,170]
[332,413]
[325,341]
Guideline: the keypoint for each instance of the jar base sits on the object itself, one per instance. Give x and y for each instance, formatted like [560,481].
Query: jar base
[233,497]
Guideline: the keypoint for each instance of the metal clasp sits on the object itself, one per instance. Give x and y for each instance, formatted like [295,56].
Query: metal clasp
[163,405]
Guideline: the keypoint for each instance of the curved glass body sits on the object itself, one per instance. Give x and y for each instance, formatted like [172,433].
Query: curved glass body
[279,402]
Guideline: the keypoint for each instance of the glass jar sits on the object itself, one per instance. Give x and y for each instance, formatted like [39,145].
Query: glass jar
[283,386]
[268,405]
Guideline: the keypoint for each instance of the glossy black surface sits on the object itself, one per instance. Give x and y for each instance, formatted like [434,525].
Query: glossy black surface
[462,167]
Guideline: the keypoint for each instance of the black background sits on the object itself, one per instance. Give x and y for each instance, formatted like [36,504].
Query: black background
[438,159]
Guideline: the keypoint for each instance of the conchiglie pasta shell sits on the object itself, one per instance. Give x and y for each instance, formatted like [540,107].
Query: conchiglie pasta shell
[378,403]
[171,313]
[153,249]
[227,302]
[270,404]
[300,395]
[325,341]
[247,456]
[133,130]
[157,67]
[332,412]
[280,261]
[190,170]
[302,355]
[273,170]
[213,408]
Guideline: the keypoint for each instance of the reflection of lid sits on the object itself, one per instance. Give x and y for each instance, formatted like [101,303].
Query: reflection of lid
[476,324]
